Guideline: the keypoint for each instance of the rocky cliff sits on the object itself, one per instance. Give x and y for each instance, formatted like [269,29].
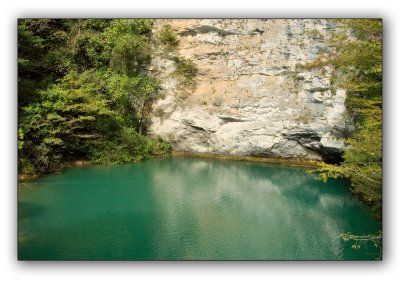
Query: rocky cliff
[250,95]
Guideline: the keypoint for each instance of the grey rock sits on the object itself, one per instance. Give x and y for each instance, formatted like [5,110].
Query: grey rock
[250,97]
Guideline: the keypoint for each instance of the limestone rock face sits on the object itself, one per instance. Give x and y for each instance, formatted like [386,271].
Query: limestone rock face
[249,95]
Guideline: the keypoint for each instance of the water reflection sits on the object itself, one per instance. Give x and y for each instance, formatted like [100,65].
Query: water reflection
[259,211]
[183,208]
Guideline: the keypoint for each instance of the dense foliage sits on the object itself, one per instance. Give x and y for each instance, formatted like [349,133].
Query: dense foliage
[357,63]
[84,92]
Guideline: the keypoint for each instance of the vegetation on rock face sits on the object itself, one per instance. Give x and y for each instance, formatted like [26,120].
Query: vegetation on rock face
[84,92]
[185,71]
[168,37]
[357,63]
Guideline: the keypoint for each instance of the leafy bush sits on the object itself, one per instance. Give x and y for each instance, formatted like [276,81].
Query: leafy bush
[84,92]
[168,37]
[128,146]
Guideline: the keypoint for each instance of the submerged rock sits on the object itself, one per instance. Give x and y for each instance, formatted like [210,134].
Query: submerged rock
[249,96]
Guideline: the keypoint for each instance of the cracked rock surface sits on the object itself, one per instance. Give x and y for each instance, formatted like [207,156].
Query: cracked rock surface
[250,97]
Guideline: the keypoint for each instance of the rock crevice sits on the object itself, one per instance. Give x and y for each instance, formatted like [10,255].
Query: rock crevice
[250,97]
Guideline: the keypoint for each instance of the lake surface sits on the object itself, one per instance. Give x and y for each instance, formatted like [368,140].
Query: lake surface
[189,209]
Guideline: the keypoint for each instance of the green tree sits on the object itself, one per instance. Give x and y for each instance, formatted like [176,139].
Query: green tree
[84,92]
[56,127]
[135,95]
[129,45]
[41,55]
[357,61]
[86,45]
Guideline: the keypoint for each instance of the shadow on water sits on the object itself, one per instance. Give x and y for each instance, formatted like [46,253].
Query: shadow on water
[29,210]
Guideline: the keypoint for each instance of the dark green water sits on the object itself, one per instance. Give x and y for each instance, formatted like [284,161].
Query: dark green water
[184,208]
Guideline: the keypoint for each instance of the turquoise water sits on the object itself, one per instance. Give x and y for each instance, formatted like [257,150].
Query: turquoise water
[189,209]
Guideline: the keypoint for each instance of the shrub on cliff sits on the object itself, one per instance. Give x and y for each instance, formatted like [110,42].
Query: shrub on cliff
[168,37]
[185,71]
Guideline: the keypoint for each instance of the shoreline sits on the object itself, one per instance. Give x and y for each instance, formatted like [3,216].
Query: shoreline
[70,164]
[292,162]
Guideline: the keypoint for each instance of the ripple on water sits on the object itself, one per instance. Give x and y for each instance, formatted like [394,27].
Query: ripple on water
[187,208]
